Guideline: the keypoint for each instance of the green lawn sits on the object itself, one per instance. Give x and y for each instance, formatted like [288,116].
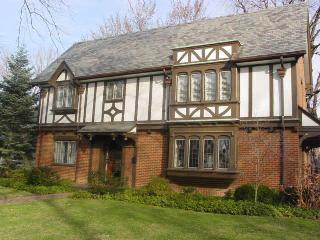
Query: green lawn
[9,192]
[101,219]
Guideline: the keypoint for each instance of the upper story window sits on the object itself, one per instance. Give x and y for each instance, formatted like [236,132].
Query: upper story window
[225,85]
[182,87]
[114,90]
[196,86]
[64,97]
[64,91]
[208,85]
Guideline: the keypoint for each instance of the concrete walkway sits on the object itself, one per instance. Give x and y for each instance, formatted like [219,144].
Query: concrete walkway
[31,198]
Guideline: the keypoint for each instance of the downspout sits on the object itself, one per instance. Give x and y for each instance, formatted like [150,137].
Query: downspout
[281,72]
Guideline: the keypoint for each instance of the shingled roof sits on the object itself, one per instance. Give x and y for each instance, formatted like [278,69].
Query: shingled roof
[266,32]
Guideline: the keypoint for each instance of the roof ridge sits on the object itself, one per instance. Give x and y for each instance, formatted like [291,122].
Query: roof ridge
[194,22]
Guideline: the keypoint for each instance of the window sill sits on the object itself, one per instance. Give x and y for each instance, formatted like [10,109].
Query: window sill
[203,173]
[63,165]
[64,110]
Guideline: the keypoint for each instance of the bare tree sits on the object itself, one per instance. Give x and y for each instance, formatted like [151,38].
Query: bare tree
[42,58]
[186,11]
[142,13]
[37,14]
[139,17]
[262,146]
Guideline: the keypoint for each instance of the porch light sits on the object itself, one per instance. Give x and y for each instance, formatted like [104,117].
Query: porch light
[281,72]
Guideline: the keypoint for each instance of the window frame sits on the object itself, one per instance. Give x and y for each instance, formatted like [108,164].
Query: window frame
[216,69]
[187,87]
[216,92]
[202,137]
[213,139]
[114,84]
[184,152]
[219,85]
[192,138]
[69,141]
[224,137]
[200,87]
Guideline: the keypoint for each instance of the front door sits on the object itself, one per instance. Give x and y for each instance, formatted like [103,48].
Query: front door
[113,160]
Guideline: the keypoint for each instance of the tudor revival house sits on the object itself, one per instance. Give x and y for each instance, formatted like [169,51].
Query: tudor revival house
[196,103]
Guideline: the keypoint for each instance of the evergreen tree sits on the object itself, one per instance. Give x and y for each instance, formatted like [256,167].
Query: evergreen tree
[17,110]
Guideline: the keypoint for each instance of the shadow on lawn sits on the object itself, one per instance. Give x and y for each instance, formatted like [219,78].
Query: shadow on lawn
[79,226]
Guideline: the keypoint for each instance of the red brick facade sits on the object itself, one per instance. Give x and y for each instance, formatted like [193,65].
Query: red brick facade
[151,151]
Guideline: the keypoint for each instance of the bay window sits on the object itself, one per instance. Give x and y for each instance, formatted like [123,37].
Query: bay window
[65,152]
[207,85]
[203,152]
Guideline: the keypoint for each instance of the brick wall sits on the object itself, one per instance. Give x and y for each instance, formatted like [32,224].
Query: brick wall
[45,154]
[152,156]
[264,146]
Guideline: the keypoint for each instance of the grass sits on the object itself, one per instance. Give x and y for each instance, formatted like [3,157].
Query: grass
[10,192]
[102,219]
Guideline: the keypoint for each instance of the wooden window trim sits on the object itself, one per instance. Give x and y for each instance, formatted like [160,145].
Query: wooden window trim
[113,86]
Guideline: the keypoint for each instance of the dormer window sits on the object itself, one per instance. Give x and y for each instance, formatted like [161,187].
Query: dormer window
[64,97]
[65,92]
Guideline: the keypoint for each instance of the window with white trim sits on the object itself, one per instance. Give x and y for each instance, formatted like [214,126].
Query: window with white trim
[182,87]
[114,90]
[65,152]
[196,86]
[224,152]
[180,145]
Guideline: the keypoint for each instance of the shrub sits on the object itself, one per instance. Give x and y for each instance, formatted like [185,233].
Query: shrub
[247,192]
[244,192]
[101,184]
[157,187]
[288,196]
[44,176]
